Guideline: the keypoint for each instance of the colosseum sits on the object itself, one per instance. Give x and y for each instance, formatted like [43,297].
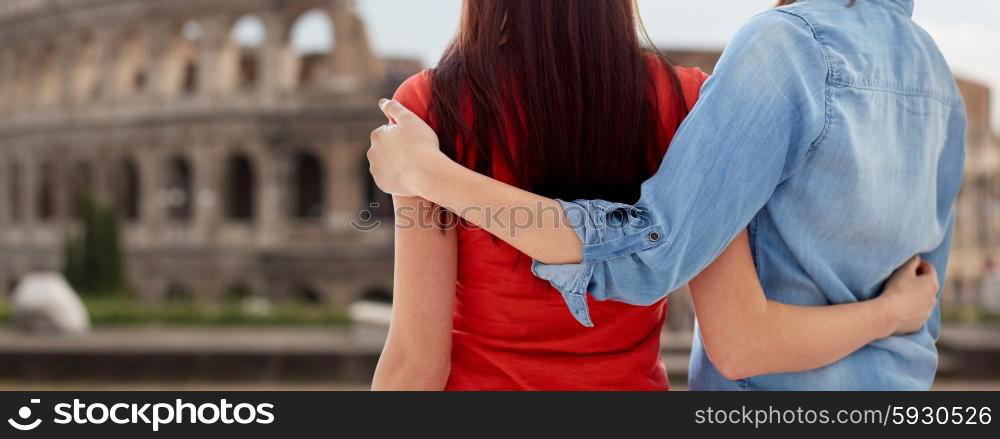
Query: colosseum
[236,165]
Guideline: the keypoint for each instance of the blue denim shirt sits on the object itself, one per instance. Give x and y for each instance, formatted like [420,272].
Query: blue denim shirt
[836,135]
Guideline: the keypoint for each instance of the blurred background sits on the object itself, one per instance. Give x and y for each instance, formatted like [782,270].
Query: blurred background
[185,203]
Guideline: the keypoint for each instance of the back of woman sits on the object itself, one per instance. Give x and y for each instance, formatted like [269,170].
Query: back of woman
[551,97]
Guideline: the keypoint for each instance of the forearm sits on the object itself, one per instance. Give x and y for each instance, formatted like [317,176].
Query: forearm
[401,368]
[780,338]
[535,225]
[417,352]
[745,334]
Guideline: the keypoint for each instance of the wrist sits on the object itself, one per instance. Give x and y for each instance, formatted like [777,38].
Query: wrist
[888,318]
[420,180]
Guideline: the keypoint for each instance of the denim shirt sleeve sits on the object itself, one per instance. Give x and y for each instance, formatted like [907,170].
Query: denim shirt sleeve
[758,116]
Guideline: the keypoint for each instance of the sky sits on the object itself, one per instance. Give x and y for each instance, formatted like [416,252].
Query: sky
[968,31]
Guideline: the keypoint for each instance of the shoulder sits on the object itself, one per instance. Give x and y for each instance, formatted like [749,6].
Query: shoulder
[775,45]
[691,79]
[777,19]
[783,28]
[415,94]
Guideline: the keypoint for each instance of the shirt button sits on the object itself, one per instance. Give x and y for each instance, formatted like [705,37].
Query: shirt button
[654,236]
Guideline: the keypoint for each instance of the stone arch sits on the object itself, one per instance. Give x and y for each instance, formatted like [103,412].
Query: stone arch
[23,80]
[308,184]
[178,292]
[240,188]
[46,192]
[7,79]
[78,188]
[377,202]
[14,191]
[179,190]
[312,39]
[133,63]
[246,42]
[238,292]
[307,294]
[50,76]
[86,72]
[376,294]
[127,189]
[12,281]
[183,58]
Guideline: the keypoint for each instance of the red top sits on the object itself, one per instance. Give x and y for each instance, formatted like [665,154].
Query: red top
[512,331]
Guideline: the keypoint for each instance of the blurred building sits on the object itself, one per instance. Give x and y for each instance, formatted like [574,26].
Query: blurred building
[977,233]
[237,163]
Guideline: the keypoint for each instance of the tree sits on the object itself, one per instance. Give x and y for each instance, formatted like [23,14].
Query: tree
[93,261]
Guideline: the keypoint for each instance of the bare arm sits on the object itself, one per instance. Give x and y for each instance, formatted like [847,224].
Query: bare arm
[535,225]
[417,353]
[747,335]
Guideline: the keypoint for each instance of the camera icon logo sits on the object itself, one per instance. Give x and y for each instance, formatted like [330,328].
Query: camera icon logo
[24,413]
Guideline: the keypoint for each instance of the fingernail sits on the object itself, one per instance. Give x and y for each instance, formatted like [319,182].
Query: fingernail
[382,102]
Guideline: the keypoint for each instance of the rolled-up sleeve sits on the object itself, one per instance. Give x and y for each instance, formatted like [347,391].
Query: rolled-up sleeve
[758,116]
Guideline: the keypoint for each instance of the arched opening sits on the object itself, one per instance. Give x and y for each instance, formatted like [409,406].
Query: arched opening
[240,189]
[377,202]
[377,295]
[127,188]
[312,39]
[46,204]
[306,295]
[248,36]
[308,187]
[133,62]
[14,192]
[79,189]
[238,293]
[87,70]
[50,79]
[12,284]
[24,80]
[178,293]
[178,197]
[184,56]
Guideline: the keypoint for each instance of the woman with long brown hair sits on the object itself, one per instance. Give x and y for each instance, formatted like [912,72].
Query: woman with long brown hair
[561,98]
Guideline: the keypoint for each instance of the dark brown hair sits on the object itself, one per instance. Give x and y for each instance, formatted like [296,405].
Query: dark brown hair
[560,91]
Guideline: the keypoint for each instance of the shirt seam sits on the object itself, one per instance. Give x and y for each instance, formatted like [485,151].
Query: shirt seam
[827,94]
[641,243]
[949,102]
[754,231]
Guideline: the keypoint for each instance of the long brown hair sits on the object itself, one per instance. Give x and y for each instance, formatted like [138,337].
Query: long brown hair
[560,91]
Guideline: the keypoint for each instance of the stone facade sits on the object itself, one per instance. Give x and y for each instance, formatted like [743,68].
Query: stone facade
[235,168]
[977,230]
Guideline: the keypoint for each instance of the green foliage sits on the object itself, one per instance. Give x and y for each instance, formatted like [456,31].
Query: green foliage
[93,261]
[965,314]
[124,312]
[118,312]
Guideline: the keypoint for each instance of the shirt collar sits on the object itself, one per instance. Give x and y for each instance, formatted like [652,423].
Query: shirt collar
[905,5]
